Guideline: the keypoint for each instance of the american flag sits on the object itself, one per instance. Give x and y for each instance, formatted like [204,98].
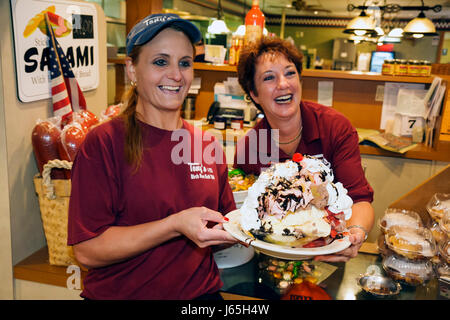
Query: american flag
[66,93]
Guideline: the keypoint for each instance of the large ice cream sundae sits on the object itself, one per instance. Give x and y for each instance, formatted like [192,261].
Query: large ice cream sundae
[296,203]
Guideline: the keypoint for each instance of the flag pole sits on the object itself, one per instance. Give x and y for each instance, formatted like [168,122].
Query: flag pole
[52,38]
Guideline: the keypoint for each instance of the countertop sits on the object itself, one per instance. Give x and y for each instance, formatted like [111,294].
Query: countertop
[342,284]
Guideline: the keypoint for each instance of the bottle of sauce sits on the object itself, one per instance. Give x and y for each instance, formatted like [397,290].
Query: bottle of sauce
[254,23]
[234,51]
[240,44]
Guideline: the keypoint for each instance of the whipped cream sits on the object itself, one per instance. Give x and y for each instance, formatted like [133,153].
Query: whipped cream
[286,170]
[316,165]
[338,200]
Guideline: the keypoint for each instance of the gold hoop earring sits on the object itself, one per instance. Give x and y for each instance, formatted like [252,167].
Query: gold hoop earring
[133,83]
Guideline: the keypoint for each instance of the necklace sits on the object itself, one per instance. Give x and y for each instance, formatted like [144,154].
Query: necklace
[290,141]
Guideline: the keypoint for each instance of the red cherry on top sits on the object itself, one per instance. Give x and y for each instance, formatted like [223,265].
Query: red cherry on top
[297,157]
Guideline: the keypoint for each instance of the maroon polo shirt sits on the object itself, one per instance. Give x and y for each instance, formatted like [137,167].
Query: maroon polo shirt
[325,131]
[106,192]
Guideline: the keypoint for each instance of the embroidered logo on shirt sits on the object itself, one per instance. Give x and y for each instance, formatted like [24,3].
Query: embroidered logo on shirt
[199,171]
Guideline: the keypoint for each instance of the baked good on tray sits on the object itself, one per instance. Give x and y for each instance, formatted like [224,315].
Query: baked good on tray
[399,217]
[407,271]
[412,243]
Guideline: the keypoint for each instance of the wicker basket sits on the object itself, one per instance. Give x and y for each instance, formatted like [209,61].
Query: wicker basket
[54,198]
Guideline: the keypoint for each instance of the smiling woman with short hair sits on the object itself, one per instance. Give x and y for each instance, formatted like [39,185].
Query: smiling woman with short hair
[269,71]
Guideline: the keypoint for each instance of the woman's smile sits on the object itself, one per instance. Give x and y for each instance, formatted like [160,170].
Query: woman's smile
[277,84]
[284,99]
[170,89]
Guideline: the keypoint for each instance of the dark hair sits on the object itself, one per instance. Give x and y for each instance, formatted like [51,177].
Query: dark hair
[249,56]
[133,138]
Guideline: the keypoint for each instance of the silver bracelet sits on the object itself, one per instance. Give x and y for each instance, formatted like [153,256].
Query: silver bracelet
[360,227]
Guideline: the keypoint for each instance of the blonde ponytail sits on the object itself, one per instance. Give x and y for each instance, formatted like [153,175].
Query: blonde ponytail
[133,138]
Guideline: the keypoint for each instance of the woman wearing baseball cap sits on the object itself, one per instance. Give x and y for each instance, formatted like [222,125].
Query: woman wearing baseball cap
[146,206]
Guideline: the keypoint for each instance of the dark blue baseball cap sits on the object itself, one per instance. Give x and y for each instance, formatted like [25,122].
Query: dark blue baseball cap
[147,28]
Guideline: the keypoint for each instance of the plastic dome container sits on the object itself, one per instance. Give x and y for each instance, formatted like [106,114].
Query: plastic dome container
[399,217]
[443,271]
[382,247]
[444,224]
[406,271]
[437,232]
[438,205]
[410,242]
[444,250]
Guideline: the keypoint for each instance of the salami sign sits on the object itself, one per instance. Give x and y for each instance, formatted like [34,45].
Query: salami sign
[75,27]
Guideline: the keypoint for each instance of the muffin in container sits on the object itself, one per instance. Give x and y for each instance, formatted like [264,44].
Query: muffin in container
[399,217]
[408,271]
[438,205]
[412,243]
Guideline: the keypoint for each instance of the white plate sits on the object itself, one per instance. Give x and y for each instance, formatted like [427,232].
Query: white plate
[234,256]
[283,252]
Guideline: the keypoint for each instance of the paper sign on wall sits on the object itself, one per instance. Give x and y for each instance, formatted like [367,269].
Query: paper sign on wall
[391,90]
[325,93]
[75,27]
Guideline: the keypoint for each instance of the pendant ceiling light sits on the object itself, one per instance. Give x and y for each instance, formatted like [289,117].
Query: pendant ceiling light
[362,25]
[218,26]
[420,26]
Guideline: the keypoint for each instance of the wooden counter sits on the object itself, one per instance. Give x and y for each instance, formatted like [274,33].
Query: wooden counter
[36,268]
[333,74]
[359,75]
[421,152]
